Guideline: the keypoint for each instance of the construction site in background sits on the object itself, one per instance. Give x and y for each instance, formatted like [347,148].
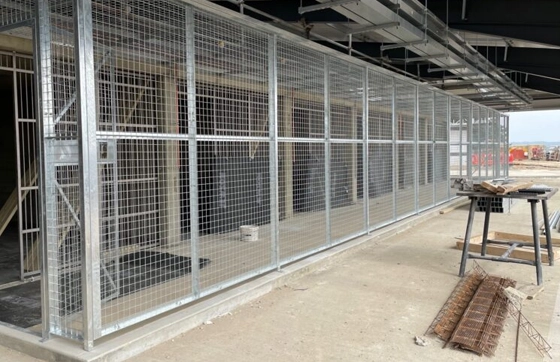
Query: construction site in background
[534,152]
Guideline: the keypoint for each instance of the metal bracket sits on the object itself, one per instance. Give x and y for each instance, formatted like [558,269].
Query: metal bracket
[63,151]
[323,6]
[444,69]
[427,57]
[403,45]
[369,28]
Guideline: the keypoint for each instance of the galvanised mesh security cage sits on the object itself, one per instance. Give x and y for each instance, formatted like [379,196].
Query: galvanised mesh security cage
[166,127]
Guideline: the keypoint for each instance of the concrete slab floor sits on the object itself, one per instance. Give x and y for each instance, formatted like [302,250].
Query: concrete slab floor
[368,304]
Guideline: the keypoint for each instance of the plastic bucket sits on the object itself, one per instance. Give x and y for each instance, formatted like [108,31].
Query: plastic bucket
[249,232]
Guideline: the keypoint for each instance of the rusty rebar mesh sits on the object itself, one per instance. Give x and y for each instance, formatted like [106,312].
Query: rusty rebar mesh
[445,322]
[482,323]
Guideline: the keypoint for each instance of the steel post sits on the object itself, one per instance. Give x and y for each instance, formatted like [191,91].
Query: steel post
[434,161]
[327,126]
[465,254]
[416,153]
[273,153]
[395,149]
[192,146]
[536,240]
[549,249]
[488,210]
[365,150]
[89,195]
[47,205]
[448,120]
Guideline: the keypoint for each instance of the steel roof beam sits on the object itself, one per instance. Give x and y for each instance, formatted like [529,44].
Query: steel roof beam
[412,33]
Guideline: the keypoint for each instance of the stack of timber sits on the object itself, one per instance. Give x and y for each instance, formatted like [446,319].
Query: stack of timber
[503,187]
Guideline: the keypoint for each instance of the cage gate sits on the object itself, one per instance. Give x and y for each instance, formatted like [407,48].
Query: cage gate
[27,166]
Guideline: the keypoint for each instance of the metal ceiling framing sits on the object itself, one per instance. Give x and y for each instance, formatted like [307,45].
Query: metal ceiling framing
[421,32]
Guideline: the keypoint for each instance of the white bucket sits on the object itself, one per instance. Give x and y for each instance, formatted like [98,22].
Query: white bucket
[249,232]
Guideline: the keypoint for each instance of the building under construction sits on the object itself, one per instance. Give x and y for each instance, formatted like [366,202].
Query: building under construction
[147,134]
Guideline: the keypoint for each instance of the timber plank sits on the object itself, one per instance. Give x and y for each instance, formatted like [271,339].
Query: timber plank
[525,253]
[504,236]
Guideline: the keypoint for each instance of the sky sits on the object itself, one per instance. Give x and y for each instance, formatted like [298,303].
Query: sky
[534,126]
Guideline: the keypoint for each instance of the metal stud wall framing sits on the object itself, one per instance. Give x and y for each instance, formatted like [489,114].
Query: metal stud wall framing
[191,123]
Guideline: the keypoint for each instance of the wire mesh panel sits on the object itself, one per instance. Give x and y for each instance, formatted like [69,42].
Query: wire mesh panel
[140,54]
[405,180]
[234,192]
[405,108]
[15,11]
[467,140]
[485,149]
[380,149]
[503,145]
[380,93]
[303,227]
[504,120]
[301,74]
[346,91]
[477,142]
[425,150]
[487,141]
[497,144]
[301,77]
[441,147]
[493,142]
[457,139]
[347,205]
[425,116]
[380,176]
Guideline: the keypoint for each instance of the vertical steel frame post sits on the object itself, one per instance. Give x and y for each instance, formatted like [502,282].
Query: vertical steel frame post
[497,146]
[395,151]
[273,148]
[449,148]
[86,112]
[416,153]
[461,140]
[47,205]
[193,159]
[487,134]
[469,142]
[365,149]
[327,126]
[506,123]
[434,199]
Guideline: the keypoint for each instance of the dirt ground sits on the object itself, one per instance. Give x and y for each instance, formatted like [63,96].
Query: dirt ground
[530,168]
[370,303]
